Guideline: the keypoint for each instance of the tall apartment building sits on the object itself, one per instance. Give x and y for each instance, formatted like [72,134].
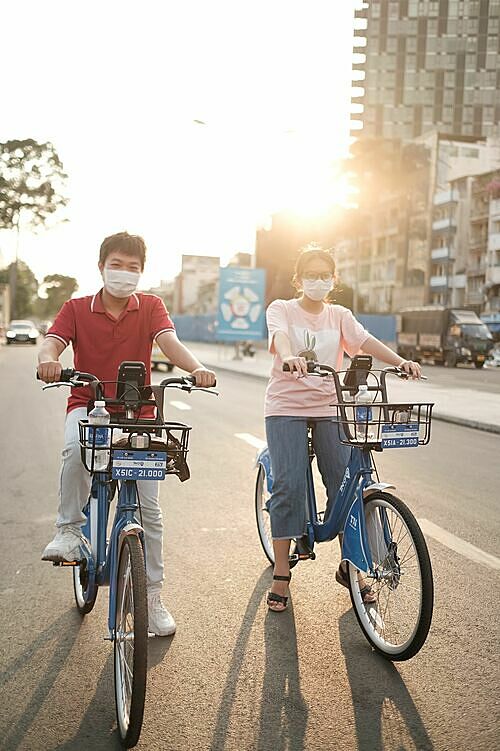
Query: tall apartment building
[409,242]
[428,64]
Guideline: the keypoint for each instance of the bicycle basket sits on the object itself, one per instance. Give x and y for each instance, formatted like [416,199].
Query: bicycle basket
[384,425]
[97,448]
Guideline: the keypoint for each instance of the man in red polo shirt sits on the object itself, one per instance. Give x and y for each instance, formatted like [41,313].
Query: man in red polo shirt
[105,329]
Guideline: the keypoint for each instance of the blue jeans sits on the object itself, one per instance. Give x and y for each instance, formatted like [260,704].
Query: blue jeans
[287,442]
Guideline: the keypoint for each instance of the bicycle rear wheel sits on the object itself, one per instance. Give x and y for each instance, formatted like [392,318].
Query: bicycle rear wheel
[131,637]
[397,624]
[84,587]
[262,514]
[84,584]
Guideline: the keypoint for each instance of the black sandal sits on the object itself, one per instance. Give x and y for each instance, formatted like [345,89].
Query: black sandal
[367,594]
[280,599]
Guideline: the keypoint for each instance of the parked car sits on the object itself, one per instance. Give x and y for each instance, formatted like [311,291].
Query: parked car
[22,331]
[158,358]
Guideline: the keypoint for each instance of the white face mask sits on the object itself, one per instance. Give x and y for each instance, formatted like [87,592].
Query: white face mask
[120,283]
[316,290]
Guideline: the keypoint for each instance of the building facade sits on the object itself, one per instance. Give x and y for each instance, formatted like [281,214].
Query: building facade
[409,243]
[195,272]
[427,64]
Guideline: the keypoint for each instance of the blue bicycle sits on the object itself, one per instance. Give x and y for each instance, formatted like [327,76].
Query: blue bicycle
[380,536]
[137,448]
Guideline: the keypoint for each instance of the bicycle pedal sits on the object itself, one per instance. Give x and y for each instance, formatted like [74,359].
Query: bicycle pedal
[65,563]
[306,556]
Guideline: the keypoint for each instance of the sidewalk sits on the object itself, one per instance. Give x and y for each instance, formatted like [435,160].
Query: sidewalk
[463,406]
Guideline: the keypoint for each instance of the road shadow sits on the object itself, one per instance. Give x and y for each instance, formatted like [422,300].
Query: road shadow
[97,729]
[283,715]
[158,647]
[283,712]
[384,711]
[63,632]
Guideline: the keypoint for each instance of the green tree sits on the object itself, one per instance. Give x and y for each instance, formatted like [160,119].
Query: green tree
[57,289]
[32,185]
[27,288]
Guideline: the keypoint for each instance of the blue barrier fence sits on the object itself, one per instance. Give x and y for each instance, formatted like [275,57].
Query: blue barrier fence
[204,328]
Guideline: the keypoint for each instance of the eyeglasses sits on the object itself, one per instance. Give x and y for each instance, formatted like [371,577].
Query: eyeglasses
[311,276]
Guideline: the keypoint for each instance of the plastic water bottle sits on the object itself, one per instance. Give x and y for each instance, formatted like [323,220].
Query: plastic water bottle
[99,416]
[364,426]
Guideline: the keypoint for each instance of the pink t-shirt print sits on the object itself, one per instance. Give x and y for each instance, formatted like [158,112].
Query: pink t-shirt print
[323,337]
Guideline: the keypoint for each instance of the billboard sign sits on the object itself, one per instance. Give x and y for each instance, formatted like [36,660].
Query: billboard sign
[241,304]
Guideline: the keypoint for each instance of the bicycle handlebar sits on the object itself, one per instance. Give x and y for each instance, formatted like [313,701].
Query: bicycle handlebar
[322,370]
[315,368]
[72,377]
[68,374]
[187,383]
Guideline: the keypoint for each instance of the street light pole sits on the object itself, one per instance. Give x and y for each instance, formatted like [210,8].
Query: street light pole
[14,267]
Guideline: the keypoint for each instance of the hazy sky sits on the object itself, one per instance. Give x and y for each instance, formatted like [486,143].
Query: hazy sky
[116,87]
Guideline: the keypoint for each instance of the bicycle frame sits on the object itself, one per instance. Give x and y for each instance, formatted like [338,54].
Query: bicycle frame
[346,514]
[102,557]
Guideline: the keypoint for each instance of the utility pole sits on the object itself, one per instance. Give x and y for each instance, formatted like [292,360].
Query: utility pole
[13,269]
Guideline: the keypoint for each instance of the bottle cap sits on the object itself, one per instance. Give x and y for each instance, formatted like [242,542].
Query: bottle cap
[362,387]
[99,403]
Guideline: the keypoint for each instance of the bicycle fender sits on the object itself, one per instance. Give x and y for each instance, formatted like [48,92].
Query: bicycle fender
[354,546]
[376,486]
[132,528]
[264,459]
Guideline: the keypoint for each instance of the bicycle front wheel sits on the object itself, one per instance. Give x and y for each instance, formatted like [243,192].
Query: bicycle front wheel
[131,641]
[398,622]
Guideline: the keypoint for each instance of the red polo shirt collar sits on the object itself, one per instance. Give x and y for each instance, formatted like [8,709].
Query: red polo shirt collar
[96,304]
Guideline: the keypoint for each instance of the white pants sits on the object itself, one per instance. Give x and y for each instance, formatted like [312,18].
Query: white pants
[74,488]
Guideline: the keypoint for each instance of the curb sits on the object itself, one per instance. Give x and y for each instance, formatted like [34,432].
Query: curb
[462,421]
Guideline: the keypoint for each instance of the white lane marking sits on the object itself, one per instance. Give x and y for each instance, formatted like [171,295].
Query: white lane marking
[180,405]
[257,443]
[458,545]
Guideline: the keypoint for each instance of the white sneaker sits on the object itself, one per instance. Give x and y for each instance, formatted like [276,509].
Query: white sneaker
[161,623]
[65,546]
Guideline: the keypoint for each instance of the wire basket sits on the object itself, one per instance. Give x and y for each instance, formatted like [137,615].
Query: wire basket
[97,448]
[383,425]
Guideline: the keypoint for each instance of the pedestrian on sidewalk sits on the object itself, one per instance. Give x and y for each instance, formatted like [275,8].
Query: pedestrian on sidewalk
[114,325]
[308,327]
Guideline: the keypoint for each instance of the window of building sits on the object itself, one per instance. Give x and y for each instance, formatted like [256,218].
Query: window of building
[394,11]
[469,152]
[364,273]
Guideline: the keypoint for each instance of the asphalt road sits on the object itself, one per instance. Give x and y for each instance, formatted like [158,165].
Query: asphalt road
[235,676]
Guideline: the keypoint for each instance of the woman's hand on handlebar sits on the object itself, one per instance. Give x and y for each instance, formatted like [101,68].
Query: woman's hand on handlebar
[299,364]
[412,368]
[49,371]
[203,377]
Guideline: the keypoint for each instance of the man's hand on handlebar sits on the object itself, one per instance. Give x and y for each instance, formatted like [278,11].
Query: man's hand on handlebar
[204,378]
[49,371]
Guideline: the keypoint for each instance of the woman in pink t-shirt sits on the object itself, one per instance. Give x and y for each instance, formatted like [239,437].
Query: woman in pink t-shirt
[308,328]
